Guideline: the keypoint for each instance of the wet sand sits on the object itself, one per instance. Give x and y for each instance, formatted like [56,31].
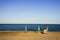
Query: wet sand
[30,35]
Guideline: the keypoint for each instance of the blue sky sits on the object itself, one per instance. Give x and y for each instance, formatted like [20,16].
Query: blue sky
[30,11]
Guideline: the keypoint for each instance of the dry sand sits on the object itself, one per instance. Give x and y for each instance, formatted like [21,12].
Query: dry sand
[30,35]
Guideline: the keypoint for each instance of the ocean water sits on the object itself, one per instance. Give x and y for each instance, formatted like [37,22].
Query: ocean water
[30,27]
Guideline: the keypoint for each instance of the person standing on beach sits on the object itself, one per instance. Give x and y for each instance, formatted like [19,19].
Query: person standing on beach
[25,29]
[38,28]
[47,28]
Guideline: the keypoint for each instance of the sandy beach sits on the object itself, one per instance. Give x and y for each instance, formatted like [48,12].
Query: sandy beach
[30,35]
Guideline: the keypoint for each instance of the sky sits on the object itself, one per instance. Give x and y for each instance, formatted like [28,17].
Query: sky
[29,11]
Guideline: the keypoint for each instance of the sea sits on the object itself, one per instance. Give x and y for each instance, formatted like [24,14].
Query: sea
[30,27]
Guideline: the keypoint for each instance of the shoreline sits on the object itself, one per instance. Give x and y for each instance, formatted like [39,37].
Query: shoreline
[24,31]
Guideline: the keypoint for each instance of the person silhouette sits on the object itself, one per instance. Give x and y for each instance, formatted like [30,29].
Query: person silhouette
[25,29]
[45,30]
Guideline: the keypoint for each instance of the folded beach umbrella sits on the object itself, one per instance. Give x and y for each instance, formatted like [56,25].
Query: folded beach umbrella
[38,28]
